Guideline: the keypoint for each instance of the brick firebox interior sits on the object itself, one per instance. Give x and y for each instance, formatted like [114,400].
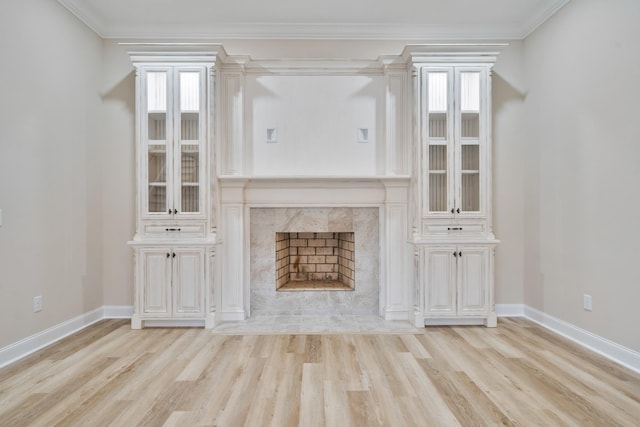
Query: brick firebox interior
[315,261]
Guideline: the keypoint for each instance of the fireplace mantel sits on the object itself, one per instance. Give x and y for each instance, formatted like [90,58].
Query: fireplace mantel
[240,194]
[274,191]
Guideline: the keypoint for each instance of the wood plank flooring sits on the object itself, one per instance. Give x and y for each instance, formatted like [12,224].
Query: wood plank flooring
[518,374]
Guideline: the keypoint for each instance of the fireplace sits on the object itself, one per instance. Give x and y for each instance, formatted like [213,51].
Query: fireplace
[254,209]
[321,261]
[357,228]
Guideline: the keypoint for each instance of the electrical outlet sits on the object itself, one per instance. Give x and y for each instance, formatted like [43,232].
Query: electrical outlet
[37,303]
[587,302]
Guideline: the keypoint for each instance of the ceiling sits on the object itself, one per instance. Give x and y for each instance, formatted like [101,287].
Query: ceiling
[306,19]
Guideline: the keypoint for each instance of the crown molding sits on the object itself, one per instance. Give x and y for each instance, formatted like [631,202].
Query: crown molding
[314,31]
[87,15]
[307,31]
[538,20]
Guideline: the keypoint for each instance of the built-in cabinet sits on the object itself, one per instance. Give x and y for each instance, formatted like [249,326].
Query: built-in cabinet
[452,232]
[215,139]
[174,240]
[172,281]
[458,279]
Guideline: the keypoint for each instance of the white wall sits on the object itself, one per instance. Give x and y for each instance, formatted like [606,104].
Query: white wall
[118,162]
[582,167]
[50,167]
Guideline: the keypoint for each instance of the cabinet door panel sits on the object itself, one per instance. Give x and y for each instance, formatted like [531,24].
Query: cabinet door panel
[473,281]
[189,141]
[156,138]
[438,153]
[188,282]
[156,292]
[440,295]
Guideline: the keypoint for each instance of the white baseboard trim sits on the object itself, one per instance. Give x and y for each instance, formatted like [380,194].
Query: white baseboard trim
[509,310]
[609,349]
[118,311]
[35,342]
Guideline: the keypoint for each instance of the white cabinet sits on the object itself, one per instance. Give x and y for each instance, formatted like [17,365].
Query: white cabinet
[454,285]
[174,241]
[172,283]
[454,148]
[172,147]
[453,234]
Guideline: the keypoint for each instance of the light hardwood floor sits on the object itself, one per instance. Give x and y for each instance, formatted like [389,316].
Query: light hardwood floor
[516,374]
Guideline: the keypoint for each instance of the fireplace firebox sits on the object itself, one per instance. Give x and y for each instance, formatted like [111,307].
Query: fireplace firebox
[315,261]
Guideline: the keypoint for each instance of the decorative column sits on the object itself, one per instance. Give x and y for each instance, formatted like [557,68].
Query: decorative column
[397,141]
[396,275]
[232,145]
[235,251]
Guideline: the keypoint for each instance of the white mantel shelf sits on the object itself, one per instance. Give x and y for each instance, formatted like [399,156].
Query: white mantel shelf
[314,190]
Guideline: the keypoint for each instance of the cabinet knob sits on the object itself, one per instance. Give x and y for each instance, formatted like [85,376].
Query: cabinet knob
[169,211]
[458,210]
[174,255]
[460,253]
[452,211]
[168,254]
[175,211]
[455,254]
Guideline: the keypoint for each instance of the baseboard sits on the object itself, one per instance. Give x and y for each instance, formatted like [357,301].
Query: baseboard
[35,342]
[118,311]
[509,310]
[609,349]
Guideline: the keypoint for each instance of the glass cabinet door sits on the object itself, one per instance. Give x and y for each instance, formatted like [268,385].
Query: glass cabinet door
[189,141]
[440,141]
[469,137]
[156,141]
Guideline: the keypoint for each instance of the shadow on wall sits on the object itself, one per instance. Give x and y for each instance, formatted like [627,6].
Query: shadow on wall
[123,92]
[503,93]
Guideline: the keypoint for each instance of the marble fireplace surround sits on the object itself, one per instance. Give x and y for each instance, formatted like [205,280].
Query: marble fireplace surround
[253,209]
[363,222]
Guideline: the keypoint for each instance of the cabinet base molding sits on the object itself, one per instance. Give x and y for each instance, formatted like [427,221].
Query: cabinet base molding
[489,322]
[138,323]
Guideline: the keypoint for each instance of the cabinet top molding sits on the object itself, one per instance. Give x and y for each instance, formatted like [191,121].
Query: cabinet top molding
[456,53]
[141,53]
[175,52]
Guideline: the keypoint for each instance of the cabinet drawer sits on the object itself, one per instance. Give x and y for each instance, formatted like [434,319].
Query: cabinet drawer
[453,228]
[195,230]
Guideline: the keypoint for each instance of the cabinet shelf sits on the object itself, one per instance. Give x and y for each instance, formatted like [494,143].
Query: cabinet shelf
[438,141]
[470,171]
[157,184]
[438,172]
